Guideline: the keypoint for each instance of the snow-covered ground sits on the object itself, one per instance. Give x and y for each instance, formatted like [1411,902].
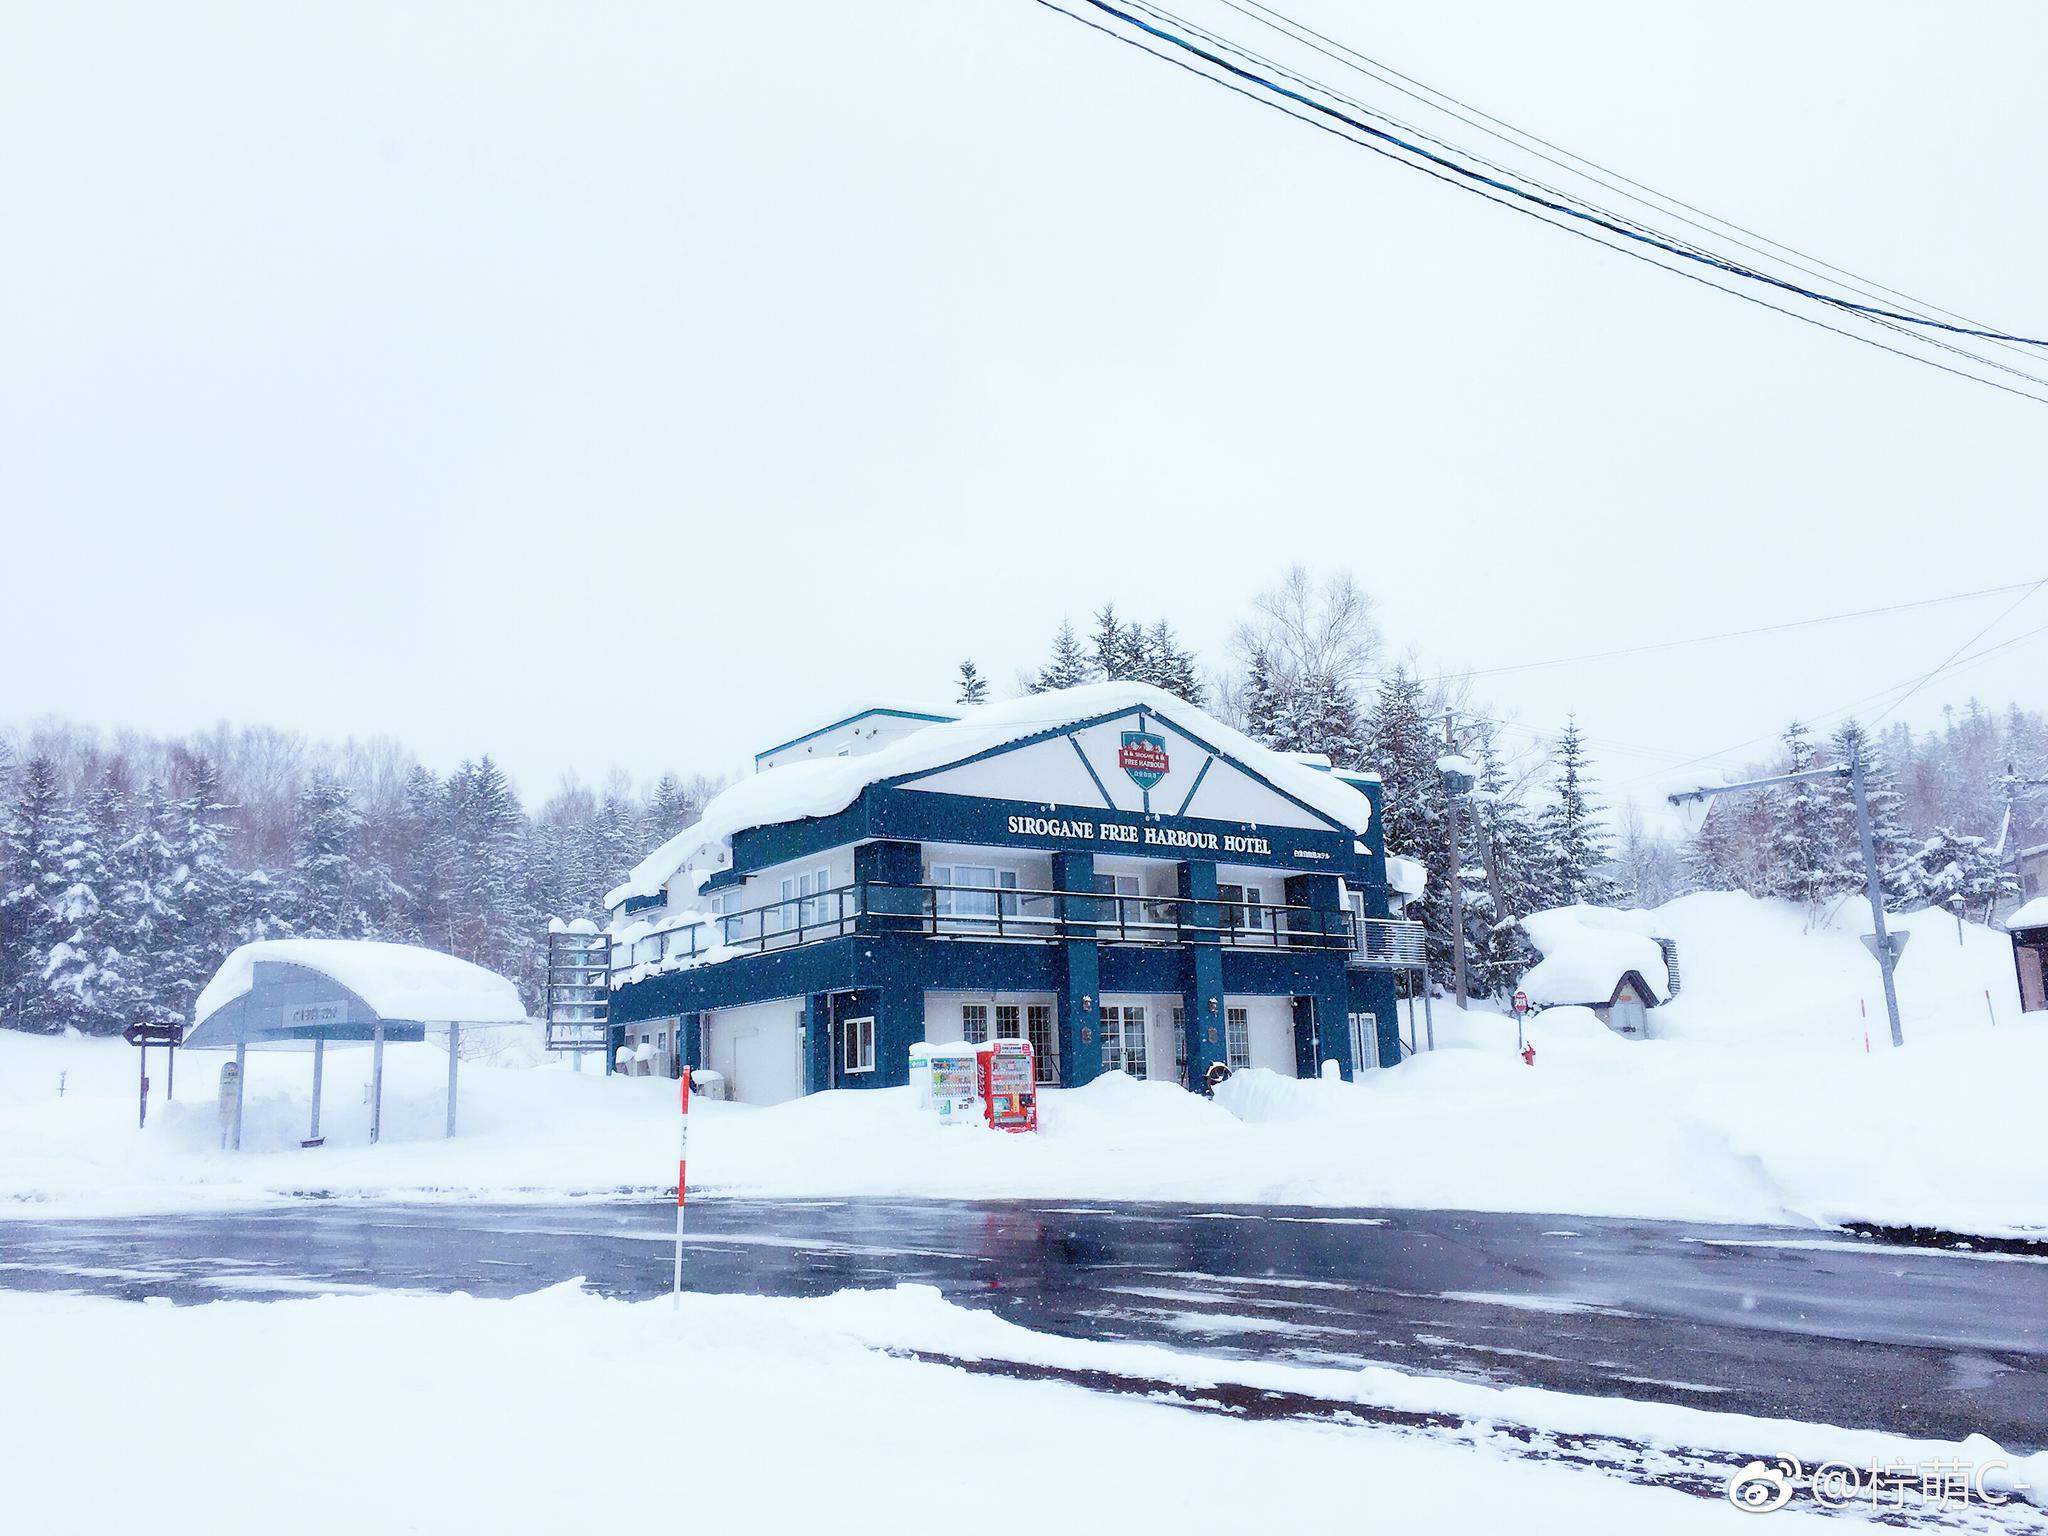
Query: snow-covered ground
[1756,1100]
[561,1411]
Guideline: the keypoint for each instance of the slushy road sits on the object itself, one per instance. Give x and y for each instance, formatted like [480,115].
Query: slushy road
[1814,1326]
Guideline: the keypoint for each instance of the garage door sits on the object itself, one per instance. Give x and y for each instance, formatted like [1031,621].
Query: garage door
[757,1050]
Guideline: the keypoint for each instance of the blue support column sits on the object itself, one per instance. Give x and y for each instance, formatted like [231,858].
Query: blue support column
[1079,970]
[885,878]
[690,1041]
[817,1043]
[1202,974]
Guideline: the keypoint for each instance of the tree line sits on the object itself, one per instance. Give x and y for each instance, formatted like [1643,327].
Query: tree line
[1307,672]
[127,874]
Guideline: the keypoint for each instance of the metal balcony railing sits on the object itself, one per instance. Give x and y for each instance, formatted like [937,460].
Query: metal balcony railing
[1010,914]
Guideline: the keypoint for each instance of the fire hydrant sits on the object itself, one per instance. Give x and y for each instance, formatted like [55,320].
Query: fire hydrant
[1528,1055]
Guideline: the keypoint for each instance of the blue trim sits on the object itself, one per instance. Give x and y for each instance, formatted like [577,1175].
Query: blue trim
[1207,764]
[894,714]
[1096,778]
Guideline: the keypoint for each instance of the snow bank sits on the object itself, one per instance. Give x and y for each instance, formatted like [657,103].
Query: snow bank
[720,1402]
[1755,1101]
[400,981]
[825,786]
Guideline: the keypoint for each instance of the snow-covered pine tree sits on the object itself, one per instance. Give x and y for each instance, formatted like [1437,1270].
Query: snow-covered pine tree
[1894,845]
[1068,668]
[86,972]
[324,894]
[1402,746]
[1501,843]
[1952,865]
[1574,834]
[494,921]
[1112,652]
[971,687]
[212,901]
[37,830]
[1807,863]
[674,806]
[1168,666]
[1259,698]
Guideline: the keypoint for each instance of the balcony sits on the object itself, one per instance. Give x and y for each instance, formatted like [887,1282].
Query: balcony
[1011,916]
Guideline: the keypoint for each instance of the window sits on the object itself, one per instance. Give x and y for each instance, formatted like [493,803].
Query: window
[1365,1041]
[1045,1050]
[859,1038]
[974,1023]
[1237,1037]
[1115,914]
[1243,906]
[970,890]
[1009,1022]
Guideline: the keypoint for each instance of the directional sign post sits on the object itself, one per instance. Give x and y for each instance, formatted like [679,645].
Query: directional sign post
[142,1036]
[1521,1009]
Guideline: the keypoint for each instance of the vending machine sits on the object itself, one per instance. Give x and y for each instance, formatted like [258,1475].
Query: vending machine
[1009,1085]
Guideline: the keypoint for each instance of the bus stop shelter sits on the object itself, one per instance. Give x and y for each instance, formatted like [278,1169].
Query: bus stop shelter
[305,994]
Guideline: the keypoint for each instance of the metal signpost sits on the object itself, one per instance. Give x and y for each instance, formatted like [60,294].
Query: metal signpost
[142,1036]
[682,1183]
[1521,1012]
[1885,946]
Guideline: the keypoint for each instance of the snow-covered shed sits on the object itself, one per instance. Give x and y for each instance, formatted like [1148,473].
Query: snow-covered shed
[2028,926]
[1602,959]
[300,994]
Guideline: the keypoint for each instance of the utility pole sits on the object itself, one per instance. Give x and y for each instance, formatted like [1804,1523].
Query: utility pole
[1873,888]
[1452,780]
[2008,843]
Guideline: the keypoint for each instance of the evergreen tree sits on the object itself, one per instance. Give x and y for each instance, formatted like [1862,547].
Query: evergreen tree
[1503,845]
[212,904]
[86,973]
[1259,699]
[1068,667]
[1894,845]
[1716,855]
[1574,836]
[1168,666]
[675,806]
[973,687]
[1953,869]
[325,894]
[1808,864]
[1119,648]
[1402,746]
[33,839]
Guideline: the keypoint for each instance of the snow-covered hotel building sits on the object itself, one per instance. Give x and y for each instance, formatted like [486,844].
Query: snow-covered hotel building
[1106,871]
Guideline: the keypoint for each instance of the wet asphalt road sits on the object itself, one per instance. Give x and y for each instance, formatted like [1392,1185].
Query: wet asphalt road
[1808,1325]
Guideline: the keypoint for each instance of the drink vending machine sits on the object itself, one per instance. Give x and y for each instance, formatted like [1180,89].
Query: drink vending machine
[1009,1084]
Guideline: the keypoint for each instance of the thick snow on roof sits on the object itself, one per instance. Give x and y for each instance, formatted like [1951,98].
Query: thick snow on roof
[400,981]
[1406,877]
[827,785]
[2032,914]
[1587,950]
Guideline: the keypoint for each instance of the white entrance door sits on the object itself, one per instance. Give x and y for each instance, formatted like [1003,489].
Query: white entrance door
[1124,1044]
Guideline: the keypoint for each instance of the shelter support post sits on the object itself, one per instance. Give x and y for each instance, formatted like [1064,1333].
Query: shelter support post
[241,1089]
[319,1070]
[376,1081]
[1428,1015]
[454,1056]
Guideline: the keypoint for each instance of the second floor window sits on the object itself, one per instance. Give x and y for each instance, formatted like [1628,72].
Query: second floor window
[973,890]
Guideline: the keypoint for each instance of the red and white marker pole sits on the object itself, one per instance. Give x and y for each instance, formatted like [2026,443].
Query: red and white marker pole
[682,1183]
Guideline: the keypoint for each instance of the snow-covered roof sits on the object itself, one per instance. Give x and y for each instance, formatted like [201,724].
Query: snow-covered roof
[1586,952]
[824,786]
[2031,914]
[1407,878]
[399,981]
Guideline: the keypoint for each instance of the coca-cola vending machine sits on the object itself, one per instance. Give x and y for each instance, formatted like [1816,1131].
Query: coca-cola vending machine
[1009,1085]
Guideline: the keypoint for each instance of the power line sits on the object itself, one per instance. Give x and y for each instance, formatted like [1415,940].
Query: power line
[1996,621]
[1664,202]
[1664,238]
[1476,184]
[1737,634]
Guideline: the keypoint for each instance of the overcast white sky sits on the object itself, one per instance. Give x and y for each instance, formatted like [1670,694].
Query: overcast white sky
[380,369]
